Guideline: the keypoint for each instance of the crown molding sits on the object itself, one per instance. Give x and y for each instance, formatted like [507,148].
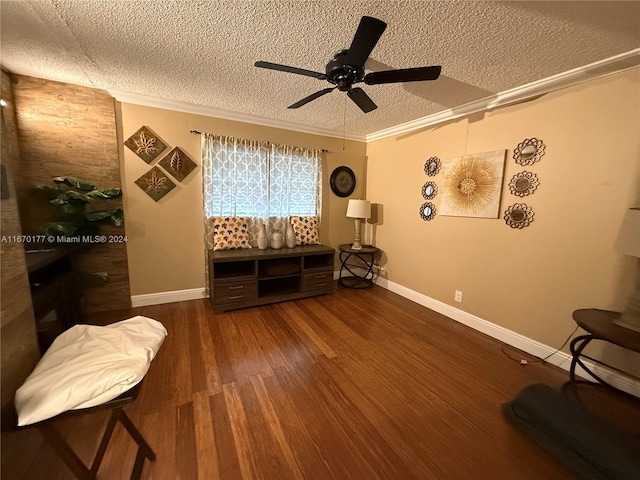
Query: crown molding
[592,71]
[185,107]
[602,68]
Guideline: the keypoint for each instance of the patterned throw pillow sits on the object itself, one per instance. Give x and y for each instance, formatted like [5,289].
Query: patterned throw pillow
[230,232]
[306,230]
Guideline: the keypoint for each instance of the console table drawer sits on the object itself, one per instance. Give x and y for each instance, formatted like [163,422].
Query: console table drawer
[235,292]
[318,281]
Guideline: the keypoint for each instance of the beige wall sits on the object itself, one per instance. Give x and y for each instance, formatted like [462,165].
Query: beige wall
[527,280]
[165,239]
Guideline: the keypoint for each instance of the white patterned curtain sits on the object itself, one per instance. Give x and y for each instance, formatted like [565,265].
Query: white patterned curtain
[294,183]
[265,182]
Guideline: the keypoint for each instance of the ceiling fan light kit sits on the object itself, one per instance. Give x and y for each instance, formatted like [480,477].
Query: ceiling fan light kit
[346,68]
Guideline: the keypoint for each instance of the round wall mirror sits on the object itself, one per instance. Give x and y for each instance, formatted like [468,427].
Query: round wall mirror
[518,216]
[523,183]
[528,151]
[429,190]
[432,166]
[427,211]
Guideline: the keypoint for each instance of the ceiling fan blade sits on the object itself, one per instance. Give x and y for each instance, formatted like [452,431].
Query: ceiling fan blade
[403,75]
[311,97]
[361,99]
[287,68]
[364,41]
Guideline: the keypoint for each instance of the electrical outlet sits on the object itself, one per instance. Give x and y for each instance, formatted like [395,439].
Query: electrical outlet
[458,296]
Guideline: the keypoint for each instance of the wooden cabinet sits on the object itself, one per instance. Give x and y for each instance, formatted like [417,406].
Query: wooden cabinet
[251,277]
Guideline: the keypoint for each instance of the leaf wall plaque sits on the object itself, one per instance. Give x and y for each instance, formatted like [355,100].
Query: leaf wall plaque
[155,183]
[178,164]
[145,144]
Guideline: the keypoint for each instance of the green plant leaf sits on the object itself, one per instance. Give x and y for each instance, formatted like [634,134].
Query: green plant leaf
[73,195]
[105,193]
[117,217]
[76,183]
[72,210]
[50,190]
[60,228]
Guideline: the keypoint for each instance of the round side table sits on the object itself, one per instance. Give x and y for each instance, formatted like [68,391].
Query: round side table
[356,266]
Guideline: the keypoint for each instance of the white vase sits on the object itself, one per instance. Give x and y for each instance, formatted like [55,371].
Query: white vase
[276,240]
[262,237]
[290,236]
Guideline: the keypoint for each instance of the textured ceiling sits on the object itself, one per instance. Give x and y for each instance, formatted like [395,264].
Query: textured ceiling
[202,52]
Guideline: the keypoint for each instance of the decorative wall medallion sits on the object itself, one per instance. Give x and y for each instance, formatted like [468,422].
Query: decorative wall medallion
[155,183]
[528,151]
[427,211]
[145,144]
[523,183]
[518,215]
[429,190]
[472,185]
[432,166]
[178,164]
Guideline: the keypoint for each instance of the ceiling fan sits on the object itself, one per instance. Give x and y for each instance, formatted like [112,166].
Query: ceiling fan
[346,68]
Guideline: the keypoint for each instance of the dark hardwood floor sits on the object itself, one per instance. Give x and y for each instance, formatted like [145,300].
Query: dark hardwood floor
[361,384]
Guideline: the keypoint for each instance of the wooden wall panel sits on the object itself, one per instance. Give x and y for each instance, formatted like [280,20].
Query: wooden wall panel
[69,130]
[19,344]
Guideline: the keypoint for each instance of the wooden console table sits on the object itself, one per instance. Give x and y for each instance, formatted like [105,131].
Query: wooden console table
[251,277]
[599,324]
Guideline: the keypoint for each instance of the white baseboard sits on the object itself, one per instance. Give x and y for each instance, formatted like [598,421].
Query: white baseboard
[560,359]
[167,297]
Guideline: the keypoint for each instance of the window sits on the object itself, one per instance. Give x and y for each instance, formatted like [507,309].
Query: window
[252,179]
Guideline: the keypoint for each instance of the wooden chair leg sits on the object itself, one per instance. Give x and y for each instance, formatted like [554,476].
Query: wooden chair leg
[68,456]
[136,435]
[77,466]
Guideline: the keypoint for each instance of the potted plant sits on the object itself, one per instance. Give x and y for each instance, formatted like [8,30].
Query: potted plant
[76,225]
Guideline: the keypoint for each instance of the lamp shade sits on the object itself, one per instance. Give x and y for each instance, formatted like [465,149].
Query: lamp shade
[359,209]
[628,241]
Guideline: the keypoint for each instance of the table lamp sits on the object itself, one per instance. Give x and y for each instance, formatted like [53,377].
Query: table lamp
[628,242]
[358,209]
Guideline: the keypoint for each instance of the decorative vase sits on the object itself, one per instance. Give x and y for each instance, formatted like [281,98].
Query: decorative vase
[262,237]
[276,240]
[290,236]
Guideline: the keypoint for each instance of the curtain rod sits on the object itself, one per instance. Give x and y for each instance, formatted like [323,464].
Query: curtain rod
[197,132]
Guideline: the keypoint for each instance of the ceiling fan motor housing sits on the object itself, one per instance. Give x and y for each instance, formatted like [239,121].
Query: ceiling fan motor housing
[341,74]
